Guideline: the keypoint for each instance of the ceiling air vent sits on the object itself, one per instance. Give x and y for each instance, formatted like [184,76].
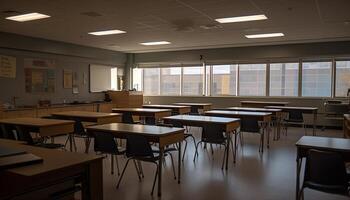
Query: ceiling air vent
[91,14]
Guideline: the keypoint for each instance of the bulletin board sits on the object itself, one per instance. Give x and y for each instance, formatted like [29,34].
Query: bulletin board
[7,66]
[39,76]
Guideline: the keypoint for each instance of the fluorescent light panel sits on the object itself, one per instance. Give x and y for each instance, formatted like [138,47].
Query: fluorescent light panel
[107,32]
[241,19]
[266,35]
[155,43]
[27,17]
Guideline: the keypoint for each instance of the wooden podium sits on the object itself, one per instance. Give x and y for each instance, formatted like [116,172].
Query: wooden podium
[126,99]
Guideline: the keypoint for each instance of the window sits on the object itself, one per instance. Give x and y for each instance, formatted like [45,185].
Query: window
[284,78]
[224,80]
[252,79]
[137,79]
[170,81]
[316,79]
[193,78]
[151,81]
[342,79]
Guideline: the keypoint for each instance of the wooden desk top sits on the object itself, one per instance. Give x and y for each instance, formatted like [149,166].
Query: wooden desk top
[266,102]
[147,130]
[200,118]
[164,106]
[85,114]
[194,104]
[249,109]
[144,110]
[286,108]
[53,159]
[35,122]
[325,143]
[237,113]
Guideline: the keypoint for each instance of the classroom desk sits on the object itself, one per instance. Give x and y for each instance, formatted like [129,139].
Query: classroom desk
[45,127]
[175,108]
[306,143]
[156,114]
[59,169]
[307,110]
[346,125]
[261,104]
[229,125]
[95,117]
[275,112]
[158,134]
[264,117]
[196,106]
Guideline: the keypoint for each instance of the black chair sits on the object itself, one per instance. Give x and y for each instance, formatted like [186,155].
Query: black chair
[252,126]
[105,143]
[194,110]
[295,117]
[80,132]
[150,121]
[24,135]
[325,172]
[127,118]
[70,136]
[139,149]
[7,131]
[212,134]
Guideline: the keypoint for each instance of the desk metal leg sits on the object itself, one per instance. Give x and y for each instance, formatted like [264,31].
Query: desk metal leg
[71,142]
[314,124]
[235,147]
[228,149]
[179,165]
[161,155]
[268,134]
[297,193]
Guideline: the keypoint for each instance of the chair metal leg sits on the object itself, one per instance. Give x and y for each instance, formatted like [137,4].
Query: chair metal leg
[141,169]
[112,164]
[196,152]
[183,155]
[116,160]
[155,178]
[223,159]
[137,170]
[172,164]
[121,176]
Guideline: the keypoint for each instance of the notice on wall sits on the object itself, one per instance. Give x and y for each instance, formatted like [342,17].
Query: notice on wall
[39,75]
[7,66]
[67,78]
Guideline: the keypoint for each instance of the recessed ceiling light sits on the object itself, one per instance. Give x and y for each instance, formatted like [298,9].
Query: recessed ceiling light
[155,43]
[266,35]
[107,32]
[27,17]
[241,19]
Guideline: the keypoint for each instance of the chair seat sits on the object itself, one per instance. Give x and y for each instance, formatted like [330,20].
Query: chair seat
[335,189]
[49,145]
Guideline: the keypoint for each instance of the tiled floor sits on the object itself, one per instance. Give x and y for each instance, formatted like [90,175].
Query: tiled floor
[271,176]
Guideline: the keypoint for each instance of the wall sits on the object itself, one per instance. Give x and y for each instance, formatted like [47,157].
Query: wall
[67,56]
[288,51]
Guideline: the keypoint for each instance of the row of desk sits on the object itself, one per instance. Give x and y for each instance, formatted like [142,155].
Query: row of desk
[228,119]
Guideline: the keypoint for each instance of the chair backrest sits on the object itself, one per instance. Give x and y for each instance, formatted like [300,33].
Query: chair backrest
[8,131]
[79,127]
[150,120]
[24,135]
[295,115]
[213,134]
[127,118]
[325,168]
[138,146]
[105,143]
[250,125]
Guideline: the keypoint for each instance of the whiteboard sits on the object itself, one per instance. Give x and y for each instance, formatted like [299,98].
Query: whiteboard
[100,78]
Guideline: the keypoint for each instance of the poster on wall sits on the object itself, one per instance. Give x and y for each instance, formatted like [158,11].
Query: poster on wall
[7,66]
[75,83]
[67,79]
[39,75]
